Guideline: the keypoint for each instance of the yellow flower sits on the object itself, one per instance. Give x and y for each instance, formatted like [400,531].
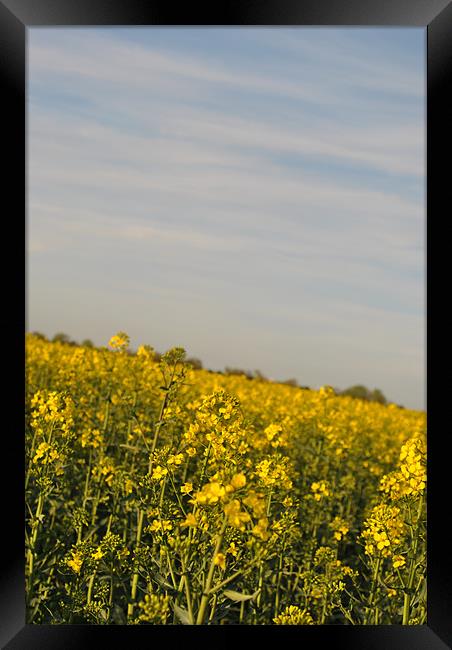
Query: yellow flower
[119,341]
[41,451]
[145,351]
[128,486]
[256,502]
[381,539]
[260,529]
[98,554]
[320,490]
[220,560]
[339,527]
[121,554]
[190,520]
[160,526]
[159,473]
[238,481]
[175,459]
[316,592]
[272,430]
[236,516]
[211,493]
[75,563]
[187,488]
[294,615]
[232,549]
[398,561]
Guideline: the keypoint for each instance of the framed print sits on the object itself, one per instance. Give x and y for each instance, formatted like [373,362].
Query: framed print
[263,185]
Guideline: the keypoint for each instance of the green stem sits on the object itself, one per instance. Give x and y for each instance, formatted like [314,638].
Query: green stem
[207,585]
[90,588]
[278,583]
[242,572]
[373,588]
[412,571]
[204,467]
[187,593]
[85,495]
[157,431]
[181,506]
[259,586]
[212,609]
[34,537]
[134,585]
[95,506]
[32,449]
[242,611]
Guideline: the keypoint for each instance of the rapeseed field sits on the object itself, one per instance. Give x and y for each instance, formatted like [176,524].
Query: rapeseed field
[157,493]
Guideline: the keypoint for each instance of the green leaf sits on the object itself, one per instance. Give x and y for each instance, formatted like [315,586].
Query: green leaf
[163,582]
[131,447]
[238,597]
[182,615]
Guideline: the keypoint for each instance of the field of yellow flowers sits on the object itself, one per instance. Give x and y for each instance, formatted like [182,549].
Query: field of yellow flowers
[157,493]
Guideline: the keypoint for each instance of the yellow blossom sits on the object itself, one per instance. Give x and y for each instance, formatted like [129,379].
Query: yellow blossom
[232,549]
[398,561]
[220,560]
[75,562]
[211,493]
[175,459]
[160,526]
[236,517]
[119,341]
[238,481]
[98,554]
[186,488]
[190,520]
[260,529]
[159,473]
[294,615]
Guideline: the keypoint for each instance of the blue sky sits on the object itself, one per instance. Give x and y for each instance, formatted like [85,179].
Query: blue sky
[254,195]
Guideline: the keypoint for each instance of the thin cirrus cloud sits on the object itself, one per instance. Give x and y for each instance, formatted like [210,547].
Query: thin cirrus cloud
[255,195]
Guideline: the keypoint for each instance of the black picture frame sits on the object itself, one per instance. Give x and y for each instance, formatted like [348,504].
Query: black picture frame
[18,15]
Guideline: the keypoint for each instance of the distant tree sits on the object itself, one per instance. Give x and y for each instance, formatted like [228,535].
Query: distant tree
[87,343]
[194,363]
[358,391]
[290,382]
[361,392]
[238,371]
[377,396]
[61,337]
[40,335]
[259,376]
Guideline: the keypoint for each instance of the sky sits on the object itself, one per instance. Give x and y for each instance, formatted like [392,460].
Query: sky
[255,195]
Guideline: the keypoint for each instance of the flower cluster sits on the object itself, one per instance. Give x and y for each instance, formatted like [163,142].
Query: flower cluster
[294,615]
[154,609]
[383,530]
[411,477]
